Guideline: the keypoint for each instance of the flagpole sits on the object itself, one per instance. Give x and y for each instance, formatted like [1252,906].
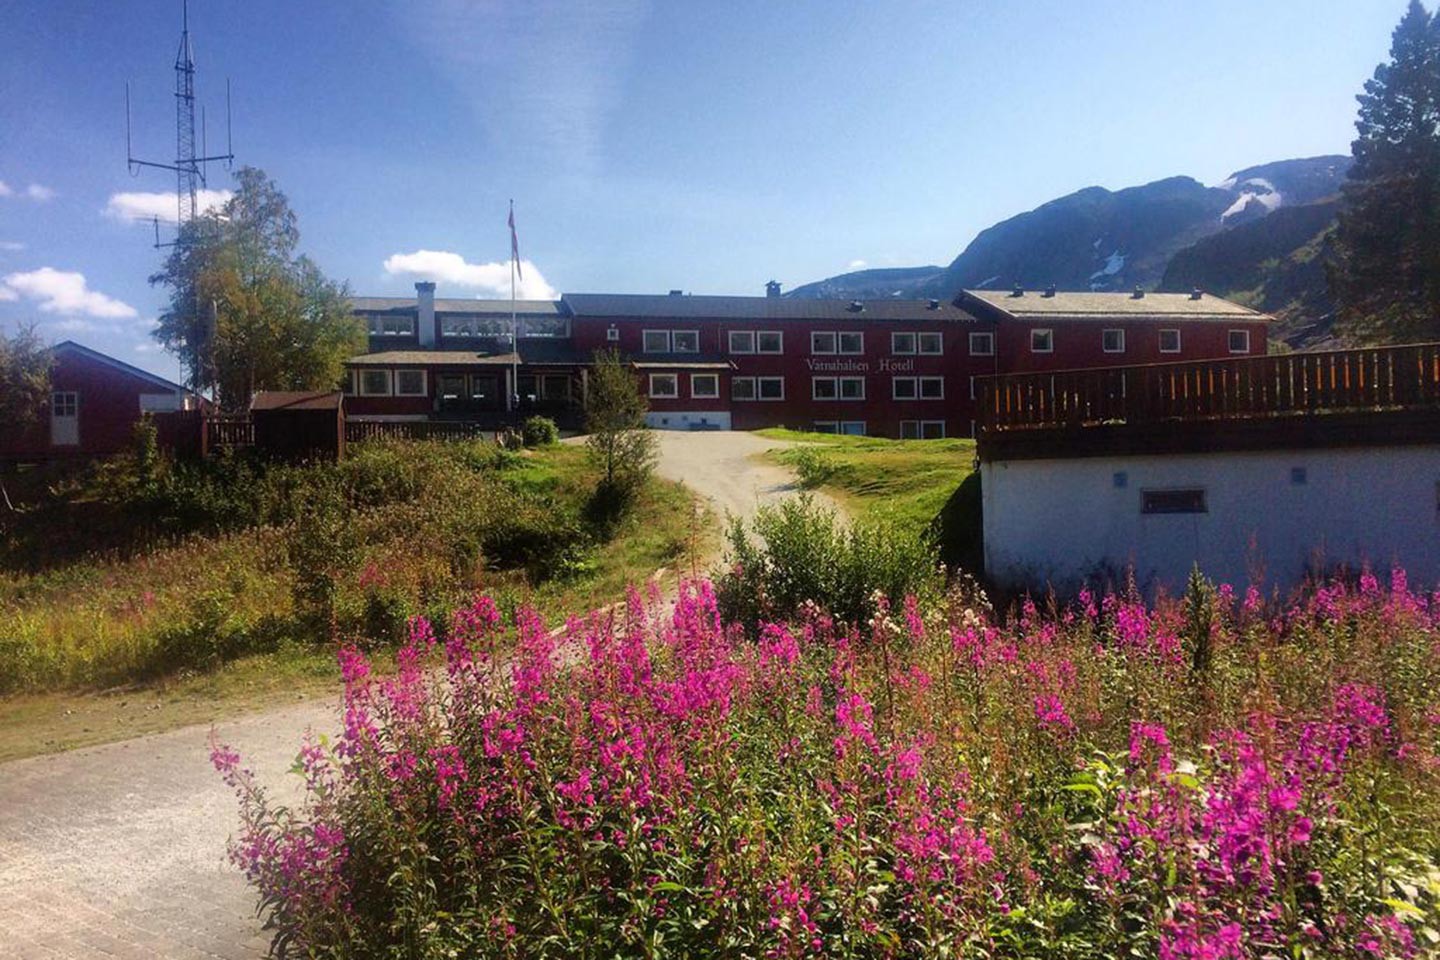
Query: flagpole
[514,326]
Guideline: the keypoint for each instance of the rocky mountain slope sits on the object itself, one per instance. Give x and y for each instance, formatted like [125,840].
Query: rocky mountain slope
[1100,239]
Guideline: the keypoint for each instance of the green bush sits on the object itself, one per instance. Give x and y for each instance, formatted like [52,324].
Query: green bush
[813,467]
[540,432]
[802,553]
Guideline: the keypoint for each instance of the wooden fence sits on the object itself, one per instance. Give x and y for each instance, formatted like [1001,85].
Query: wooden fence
[1247,388]
[360,430]
[228,432]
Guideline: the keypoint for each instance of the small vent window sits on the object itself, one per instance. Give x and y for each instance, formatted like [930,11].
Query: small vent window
[1173,501]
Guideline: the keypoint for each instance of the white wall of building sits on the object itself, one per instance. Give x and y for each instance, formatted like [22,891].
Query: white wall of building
[688,420]
[1063,519]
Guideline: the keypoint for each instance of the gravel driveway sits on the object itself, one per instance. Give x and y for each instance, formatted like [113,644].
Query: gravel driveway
[119,850]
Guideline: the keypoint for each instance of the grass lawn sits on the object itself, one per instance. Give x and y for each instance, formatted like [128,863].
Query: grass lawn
[905,482]
[95,618]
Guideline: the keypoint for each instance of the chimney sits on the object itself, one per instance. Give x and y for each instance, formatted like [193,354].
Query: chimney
[1196,293]
[772,289]
[677,293]
[425,312]
[1139,293]
[933,305]
[857,306]
[1050,290]
[1019,290]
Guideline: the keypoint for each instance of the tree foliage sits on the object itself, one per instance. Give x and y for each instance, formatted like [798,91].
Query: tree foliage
[620,444]
[246,311]
[25,363]
[1386,276]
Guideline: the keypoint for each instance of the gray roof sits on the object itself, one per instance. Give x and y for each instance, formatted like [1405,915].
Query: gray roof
[421,358]
[621,306]
[1074,305]
[529,308]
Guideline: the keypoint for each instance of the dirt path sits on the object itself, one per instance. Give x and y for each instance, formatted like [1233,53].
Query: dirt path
[119,850]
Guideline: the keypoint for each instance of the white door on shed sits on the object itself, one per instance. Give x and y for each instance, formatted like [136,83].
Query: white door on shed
[64,418]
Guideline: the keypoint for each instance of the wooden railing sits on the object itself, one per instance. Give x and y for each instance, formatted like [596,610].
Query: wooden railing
[1245,388]
[357,431]
[229,432]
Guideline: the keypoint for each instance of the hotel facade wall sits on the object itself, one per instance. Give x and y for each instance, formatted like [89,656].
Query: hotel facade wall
[1081,344]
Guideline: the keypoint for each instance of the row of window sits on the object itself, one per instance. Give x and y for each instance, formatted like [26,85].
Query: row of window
[387,383]
[909,429]
[666,386]
[400,325]
[1113,341]
[823,342]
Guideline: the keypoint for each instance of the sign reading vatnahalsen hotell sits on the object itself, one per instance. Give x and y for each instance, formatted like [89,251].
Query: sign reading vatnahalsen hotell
[887,365]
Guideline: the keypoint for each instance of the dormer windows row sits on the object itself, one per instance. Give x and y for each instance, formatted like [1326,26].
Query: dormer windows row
[671,341]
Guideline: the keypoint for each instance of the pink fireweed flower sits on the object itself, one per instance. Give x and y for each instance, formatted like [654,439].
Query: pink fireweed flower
[1050,712]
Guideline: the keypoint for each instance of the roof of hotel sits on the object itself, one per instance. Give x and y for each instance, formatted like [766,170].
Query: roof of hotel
[1075,305]
[459,305]
[621,306]
[420,358]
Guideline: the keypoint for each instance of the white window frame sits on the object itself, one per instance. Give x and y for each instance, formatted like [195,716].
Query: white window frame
[645,336]
[920,388]
[1230,340]
[65,403]
[735,384]
[918,428]
[424,390]
[834,342]
[972,389]
[779,337]
[895,388]
[988,338]
[1105,337]
[840,336]
[745,335]
[712,378]
[612,334]
[815,384]
[389,383]
[1048,334]
[760,388]
[834,425]
[939,340]
[841,425]
[674,379]
[675,341]
[894,347]
[1174,330]
[840,386]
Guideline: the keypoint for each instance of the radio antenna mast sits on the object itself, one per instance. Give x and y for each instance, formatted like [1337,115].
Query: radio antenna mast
[190,170]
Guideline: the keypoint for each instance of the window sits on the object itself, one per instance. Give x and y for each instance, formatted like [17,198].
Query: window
[65,403]
[902,343]
[1173,501]
[852,388]
[771,388]
[852,343]
[972,388]
[555,387]
[1042,341]
[390,326]
[982,344]
[657,341]
[742,388]
[852,428]
[742,341]
[1169,341]
[826,426]
[612,334]
[374,383]
[823,388]
[685,341]
[545,327]
[822,342]
[829,341]
[930,344]
[410,383]
[474,327]
[1112,341]
[769,341]
[922,429]
[1239,341]
[664,385]
[704,385]
[837,388]
[918,388]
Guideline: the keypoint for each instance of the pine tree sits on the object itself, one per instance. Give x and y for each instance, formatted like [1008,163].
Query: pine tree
[1386,275]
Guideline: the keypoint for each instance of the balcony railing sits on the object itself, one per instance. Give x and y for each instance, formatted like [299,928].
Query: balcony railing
[1246,388]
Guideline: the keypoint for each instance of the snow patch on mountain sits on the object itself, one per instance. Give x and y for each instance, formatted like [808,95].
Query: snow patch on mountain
[1256,189]
[1113,265]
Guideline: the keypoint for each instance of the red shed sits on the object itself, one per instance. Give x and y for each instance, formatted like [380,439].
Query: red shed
[94,403]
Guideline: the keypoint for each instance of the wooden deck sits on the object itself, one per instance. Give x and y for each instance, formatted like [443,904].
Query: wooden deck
[1375,394]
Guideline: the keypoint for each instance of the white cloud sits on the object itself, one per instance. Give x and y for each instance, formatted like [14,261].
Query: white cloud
[5,190]
[857,265]
[150,347]
[38,193]
[11,246]
[7,294]
[148,206]
[65,292]
[489,279]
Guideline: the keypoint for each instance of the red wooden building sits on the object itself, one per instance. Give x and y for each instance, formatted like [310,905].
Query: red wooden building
[897,368]
[94,403]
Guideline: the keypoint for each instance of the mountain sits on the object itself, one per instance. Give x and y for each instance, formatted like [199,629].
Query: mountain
[1275,264]
[1100,239]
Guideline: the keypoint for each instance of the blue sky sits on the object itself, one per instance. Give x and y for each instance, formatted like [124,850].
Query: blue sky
[701,145]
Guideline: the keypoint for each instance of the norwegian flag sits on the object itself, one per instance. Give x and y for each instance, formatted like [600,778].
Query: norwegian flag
[514,242]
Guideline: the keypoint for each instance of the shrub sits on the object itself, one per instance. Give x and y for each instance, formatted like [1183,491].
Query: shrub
[539,432]
[952,786]
[802,553]
[813,467]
